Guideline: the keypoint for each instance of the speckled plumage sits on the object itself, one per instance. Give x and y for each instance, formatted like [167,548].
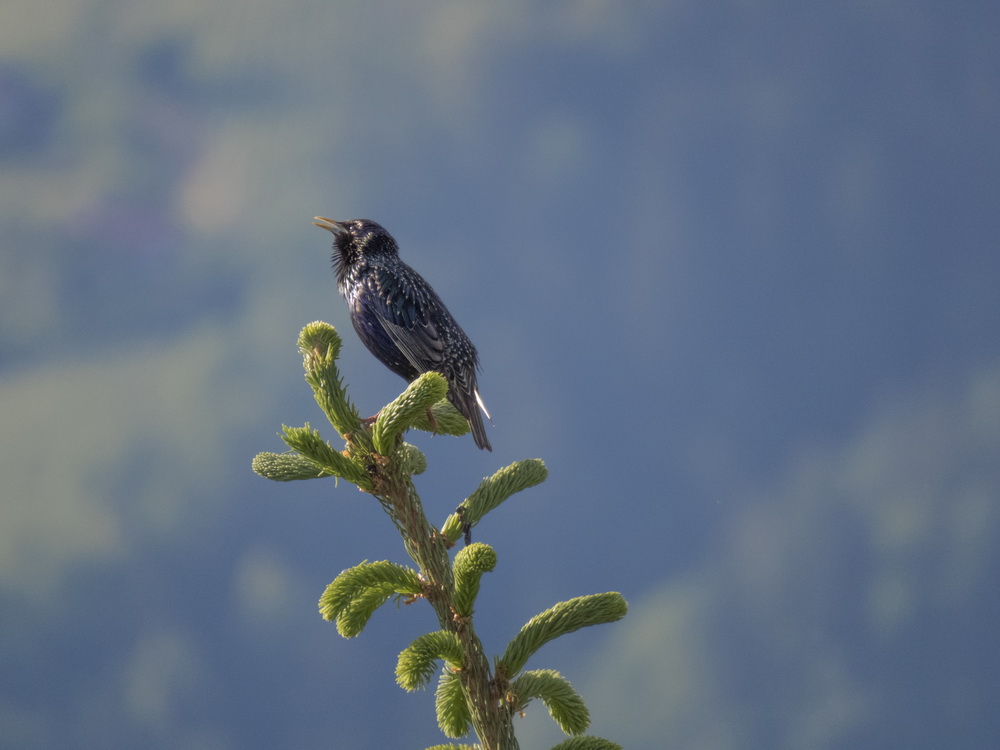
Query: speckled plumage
[400,319]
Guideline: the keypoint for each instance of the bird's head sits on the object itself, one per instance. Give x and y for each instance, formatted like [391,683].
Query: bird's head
[357,239]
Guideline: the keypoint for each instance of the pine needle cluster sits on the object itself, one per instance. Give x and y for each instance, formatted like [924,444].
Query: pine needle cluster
[472,695]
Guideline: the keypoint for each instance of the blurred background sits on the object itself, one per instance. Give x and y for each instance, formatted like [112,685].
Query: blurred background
[733,272]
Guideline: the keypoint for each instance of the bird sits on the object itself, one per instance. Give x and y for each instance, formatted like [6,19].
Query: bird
[399,317]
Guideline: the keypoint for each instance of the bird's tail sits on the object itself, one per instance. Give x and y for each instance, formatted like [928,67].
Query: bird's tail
[479,430]
[467,404]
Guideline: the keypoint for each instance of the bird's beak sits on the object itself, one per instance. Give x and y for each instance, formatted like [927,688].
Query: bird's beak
[328,224]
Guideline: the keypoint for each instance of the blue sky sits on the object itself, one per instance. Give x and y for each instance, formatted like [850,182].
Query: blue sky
[732,271]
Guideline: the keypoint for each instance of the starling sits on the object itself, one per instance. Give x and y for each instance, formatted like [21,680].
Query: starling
[399,317]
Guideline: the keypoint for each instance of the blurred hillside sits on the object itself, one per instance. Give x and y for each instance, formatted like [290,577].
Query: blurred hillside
[732,272]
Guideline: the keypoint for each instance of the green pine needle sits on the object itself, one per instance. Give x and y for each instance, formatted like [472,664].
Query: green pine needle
[320,343]
[565,705]
[470,564]
[491,492]
[452,706]
[285,467]
[564,617]
[354,595]
[399,415]
[417,661]
[308,442]
[587,743]
[447,420]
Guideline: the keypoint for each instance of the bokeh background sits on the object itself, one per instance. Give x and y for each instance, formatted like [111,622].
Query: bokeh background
[733,271]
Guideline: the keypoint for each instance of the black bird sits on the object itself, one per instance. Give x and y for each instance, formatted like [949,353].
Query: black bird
[399,317]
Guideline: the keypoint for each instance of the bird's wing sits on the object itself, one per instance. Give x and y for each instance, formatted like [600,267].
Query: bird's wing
[405,317]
